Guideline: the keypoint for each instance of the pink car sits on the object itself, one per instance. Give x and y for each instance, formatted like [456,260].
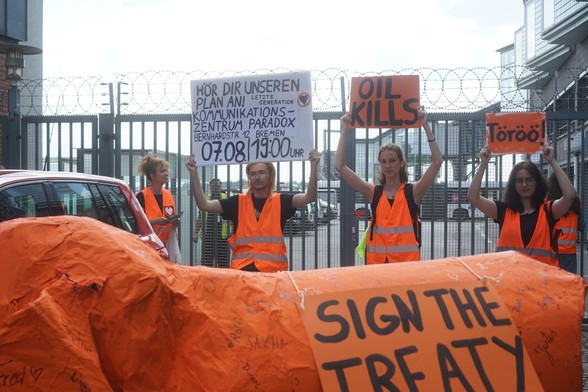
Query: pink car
[109,200]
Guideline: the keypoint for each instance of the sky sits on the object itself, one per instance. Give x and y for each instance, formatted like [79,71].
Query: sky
[106,37]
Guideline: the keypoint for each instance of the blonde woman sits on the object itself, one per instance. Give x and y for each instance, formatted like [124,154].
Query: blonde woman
[157,202]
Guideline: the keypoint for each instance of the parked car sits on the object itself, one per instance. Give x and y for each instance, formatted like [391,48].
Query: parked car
[463,211]
[317,213]
[363,213]
[328,211]
[304,218]
[42,193]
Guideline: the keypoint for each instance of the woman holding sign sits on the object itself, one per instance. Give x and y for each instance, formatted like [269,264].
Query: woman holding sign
[394,233]
[526,220]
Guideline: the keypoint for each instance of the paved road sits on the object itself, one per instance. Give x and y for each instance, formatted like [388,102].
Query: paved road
[439,240]
[320,247]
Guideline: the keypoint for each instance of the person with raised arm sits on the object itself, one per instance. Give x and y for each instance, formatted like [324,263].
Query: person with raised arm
[526,220]
[259,216]
[394,234]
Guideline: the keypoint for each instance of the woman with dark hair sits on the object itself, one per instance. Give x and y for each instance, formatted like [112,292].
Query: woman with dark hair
[525,219]
[393,235]
[565,234]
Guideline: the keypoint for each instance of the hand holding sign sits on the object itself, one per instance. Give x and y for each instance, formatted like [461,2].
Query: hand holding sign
[548,152]
[191,164]
[485,153]
[422,114]
[346,121]
[314,157]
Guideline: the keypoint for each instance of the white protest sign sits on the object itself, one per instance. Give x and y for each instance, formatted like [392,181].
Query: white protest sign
[261,118]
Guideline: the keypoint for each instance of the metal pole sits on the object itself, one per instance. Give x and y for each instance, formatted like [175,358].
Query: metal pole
[349,236]
[11,148]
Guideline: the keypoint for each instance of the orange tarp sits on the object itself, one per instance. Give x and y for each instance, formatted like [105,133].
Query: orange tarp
[84,306]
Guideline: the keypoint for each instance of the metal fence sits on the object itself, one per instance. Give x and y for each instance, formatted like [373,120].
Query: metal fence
[111,142]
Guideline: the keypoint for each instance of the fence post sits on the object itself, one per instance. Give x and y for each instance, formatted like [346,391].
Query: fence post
[11,145]
[349,223]
[349,235]
[106,144]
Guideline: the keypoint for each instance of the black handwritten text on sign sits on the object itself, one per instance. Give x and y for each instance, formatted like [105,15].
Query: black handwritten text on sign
[252,119]
[414,338]
[385,101]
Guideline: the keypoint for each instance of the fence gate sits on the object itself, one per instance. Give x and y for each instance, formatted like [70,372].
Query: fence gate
[112,145]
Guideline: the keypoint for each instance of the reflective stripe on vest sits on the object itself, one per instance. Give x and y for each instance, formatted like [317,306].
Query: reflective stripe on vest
[259,241]
[392,249]
[394,230]
[153,211]
[393,239]
[539,247]
[568,236]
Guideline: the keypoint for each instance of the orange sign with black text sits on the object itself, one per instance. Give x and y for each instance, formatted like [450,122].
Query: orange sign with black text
[454,336]
[521,133]
[385,101]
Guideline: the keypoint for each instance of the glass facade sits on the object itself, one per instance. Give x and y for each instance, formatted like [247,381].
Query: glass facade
[530,30]
[13,19]
[548,13]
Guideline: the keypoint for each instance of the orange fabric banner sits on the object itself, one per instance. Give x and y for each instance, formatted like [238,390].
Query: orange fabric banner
[85,306]
[521,133]
[418,337]
[385,101]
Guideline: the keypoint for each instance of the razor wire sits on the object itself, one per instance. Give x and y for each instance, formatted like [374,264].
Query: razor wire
[162,92]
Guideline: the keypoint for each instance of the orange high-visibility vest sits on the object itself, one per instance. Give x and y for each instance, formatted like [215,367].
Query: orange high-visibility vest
[259,241]
[568,234]
[393,234]
[153,211]
[539,248]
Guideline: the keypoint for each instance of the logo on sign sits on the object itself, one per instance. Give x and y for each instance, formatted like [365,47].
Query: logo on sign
[303,100]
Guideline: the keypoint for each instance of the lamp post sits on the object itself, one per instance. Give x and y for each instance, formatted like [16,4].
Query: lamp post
[11,129]
[14,63]
[14,68]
